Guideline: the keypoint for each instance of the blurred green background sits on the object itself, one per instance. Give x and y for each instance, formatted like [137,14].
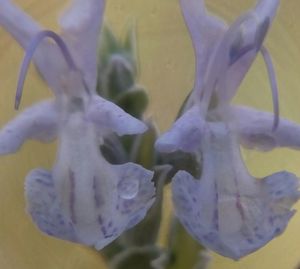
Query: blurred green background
[167,71]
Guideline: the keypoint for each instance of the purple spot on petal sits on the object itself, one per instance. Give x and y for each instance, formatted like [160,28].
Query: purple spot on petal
[43,182]
[103,230]
[216,219]
[259,236]
[185,223]
[100,220]
[210,237]
[278,192]
[277,230]
[216,213]
[48,232]
[250,241]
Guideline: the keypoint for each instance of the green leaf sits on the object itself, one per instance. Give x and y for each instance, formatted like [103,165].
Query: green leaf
[133,102]
[179,160]
[142,151]
[129,46]
[136,258]
[111,251]
[112,150]
[117,69]
[108,45]
[129,43]
[118,77]
[185,252]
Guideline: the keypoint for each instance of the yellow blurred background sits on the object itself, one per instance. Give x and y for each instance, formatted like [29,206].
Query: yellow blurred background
[167,70]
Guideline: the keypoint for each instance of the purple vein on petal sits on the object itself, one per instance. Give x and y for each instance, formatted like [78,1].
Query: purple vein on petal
[97,197]
[216,213]
[273,84]
[29,54]
[236,55]
[72,195]
[238,203]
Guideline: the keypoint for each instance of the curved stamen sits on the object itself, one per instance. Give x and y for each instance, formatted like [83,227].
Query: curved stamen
[273,84]
[29,54]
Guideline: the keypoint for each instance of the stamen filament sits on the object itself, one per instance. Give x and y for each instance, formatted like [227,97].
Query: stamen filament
[273,83]
[29,54]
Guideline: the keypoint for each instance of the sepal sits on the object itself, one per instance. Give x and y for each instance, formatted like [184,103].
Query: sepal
[137,258]
[134,101]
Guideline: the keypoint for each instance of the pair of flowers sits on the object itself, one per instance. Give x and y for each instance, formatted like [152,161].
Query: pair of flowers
[87,200]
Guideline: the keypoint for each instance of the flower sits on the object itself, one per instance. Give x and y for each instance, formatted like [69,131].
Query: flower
[227,209]
[84,198]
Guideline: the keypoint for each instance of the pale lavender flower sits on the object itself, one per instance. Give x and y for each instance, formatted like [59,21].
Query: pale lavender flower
[84,198]
[226,209]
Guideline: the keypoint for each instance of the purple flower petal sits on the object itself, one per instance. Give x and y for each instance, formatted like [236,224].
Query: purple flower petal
[254,128]
[37,122]
[85,199]
[44,207]
[111,211]
[109,117]
[33,45]
[224,57]
[186,133]
[245,46]
[228,210]
[81,25]
[135,196]
[232,59]
[206,32]
[21,26]
[266,8]
[99,199]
